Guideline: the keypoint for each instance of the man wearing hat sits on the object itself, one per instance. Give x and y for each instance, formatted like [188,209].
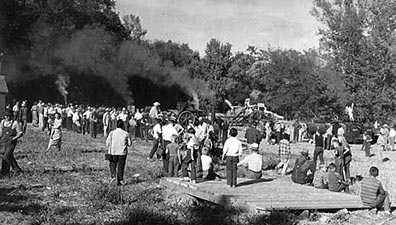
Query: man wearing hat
[154,111]
[301,168]
[251,166]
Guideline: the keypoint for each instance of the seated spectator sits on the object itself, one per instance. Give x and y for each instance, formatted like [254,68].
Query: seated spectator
[303,170]
[320,177]
[372,193]
[207,166]
[335,181]
[251,166]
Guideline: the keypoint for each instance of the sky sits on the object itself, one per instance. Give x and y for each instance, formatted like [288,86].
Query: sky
[262,23]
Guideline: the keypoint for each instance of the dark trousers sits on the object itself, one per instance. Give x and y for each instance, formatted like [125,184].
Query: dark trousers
[69,123]
[137,131]
[24,125]
[173,166]
[277,137]
[318,152]
[231,168]
[132,131]
[342,166]
[92,128]
[366,148]
[45,123]
[165,158]
[117,166]
[85,126]
[8,159]
[328,142]
[154,148]
[184,169]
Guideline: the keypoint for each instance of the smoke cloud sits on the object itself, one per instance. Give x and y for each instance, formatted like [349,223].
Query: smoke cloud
[62,82]
[95,51]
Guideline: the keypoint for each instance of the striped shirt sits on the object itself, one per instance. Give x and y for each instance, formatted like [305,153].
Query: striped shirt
[370,188]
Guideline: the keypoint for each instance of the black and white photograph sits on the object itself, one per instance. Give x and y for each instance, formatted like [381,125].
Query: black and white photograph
[195,112]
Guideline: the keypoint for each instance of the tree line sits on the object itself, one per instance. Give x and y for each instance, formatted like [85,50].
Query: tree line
[354,63]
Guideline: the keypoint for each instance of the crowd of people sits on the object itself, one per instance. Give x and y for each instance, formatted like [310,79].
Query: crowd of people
[187,151]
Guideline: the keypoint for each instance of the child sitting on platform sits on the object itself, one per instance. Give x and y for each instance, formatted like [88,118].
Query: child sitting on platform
[320,177]
[335,180]
[207,166]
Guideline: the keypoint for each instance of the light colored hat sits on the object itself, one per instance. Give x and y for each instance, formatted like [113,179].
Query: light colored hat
[156,104]
[254,146]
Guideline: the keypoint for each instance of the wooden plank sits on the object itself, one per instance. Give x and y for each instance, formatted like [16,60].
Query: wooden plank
[266,195]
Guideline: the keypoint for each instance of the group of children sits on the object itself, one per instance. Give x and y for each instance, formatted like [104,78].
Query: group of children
[188,155]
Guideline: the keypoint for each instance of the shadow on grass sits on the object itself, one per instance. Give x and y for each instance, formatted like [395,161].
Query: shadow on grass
[255,181]
[15,200]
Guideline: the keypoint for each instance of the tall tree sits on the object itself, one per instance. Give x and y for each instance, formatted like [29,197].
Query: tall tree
[359,38]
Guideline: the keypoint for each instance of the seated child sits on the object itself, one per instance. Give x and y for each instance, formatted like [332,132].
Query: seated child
[320,177]
[207,166]
[335,181]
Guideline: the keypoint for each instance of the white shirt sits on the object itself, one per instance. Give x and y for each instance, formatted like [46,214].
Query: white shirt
[167,132]
[392,132]
[122,116]
[15,108]
[254,162]
[69,112]
[51,110]
[138,116]
[75,117]
[206,161]
[118,142]
[157,131]
[340,131]
[45,112]
[232,147]
[153,112]
[87,114]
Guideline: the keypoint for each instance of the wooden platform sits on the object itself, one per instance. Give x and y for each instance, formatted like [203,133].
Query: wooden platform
[265,194]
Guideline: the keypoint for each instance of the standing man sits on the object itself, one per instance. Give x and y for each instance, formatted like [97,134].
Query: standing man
[154,111]
[157,138]
[10,133]
[85,123]
[69,117]
[106,122]
[167,131]
[15,111]
[40,110]
[124,117]
[34,111]
[319,143]
[23,114]
[252,134]
[93,119]
[232,150]
[118,142]
[138,117]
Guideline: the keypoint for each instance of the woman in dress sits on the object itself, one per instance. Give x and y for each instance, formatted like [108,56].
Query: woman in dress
[56,133]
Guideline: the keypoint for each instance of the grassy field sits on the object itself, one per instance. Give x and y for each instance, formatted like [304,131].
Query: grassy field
[71,187]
